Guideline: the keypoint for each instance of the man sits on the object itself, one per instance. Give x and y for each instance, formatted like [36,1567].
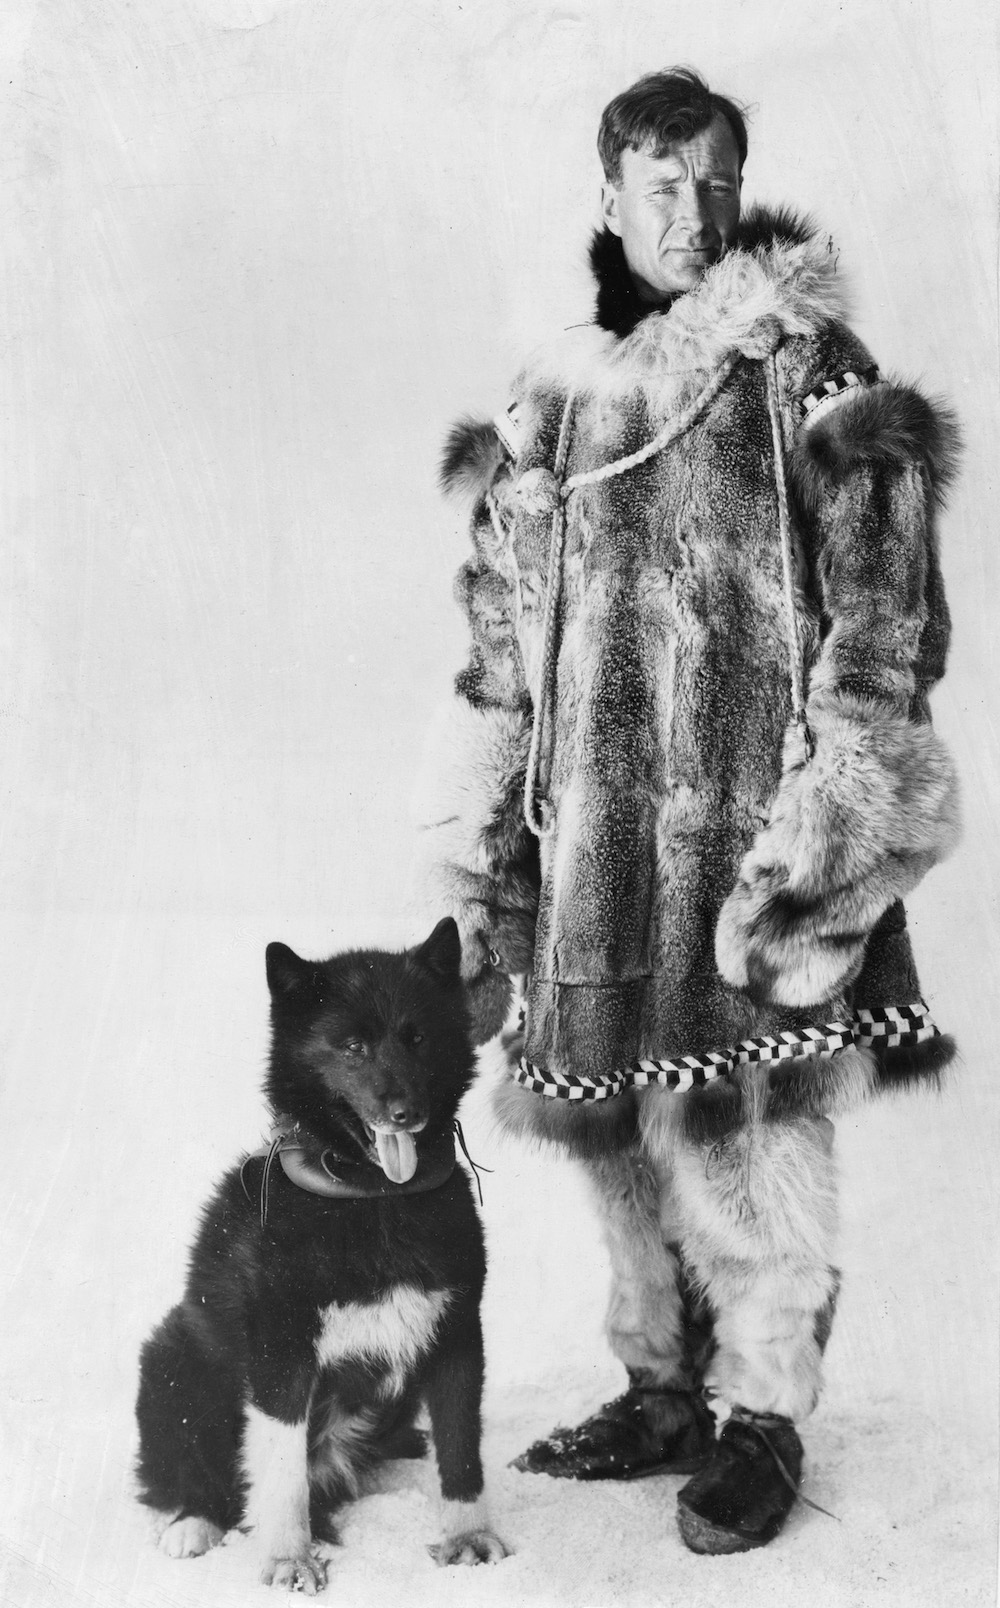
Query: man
[689,778]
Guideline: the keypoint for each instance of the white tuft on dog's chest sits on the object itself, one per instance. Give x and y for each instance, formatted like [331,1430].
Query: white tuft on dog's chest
[393,1332]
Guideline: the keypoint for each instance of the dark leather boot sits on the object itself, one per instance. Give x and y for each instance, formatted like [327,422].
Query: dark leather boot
[646,1431]
[746,1490]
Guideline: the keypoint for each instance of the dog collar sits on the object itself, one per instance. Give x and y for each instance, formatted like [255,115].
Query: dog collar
[320,1170]
[338,1179]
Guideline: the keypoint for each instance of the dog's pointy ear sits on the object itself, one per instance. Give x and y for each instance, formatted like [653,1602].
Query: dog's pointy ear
[441,953]
[287,973]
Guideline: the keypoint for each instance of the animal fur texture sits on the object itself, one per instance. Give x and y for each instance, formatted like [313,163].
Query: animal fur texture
[850,831]
[485,868]
[721,1260]
[757,1217]
[678,806]
[314,1323]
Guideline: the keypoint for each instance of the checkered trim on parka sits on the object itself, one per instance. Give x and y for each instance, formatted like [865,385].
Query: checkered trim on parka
[835,388]
[886,1027]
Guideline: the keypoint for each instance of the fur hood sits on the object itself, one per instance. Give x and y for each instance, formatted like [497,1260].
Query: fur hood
[703,883]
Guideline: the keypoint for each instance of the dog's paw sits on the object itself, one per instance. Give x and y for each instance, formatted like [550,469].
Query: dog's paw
[306,1574]
[469,1547]
[189,1537]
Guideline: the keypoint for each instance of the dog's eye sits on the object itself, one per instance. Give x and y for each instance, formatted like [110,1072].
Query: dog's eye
[416,1038]
[354,1046]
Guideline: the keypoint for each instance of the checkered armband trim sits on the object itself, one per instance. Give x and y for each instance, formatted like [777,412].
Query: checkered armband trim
[886,1027]
[510,428]
[818,401]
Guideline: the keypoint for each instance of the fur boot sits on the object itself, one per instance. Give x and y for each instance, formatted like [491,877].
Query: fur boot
[743,1495]
[644,1431]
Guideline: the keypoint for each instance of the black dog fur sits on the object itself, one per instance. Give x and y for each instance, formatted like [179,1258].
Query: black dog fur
[312,1328]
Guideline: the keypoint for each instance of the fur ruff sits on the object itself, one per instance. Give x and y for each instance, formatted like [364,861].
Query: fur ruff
[748,303]
[619,306]
[775,283]
[888,423]
[849,833]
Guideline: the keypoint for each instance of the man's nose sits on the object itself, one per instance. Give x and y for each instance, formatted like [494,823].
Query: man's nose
[693,213]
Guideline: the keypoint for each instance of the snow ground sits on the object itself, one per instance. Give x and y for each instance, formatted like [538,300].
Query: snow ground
[260,252]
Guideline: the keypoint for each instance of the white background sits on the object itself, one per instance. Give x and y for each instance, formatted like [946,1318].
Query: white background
[259,253]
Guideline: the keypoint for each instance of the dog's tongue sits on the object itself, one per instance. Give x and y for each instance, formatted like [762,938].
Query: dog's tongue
[397,1155]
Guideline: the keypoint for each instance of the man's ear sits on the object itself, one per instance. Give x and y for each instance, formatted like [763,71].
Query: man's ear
[609,208]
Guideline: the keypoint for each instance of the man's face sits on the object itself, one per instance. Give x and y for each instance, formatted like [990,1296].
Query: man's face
[676,214]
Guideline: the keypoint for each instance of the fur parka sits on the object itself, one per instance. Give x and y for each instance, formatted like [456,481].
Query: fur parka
[708,876]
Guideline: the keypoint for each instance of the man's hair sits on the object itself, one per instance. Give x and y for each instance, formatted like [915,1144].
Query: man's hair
[660,109]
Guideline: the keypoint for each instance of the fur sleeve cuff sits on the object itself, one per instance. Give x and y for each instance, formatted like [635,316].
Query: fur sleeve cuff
[850,831]
[886,423]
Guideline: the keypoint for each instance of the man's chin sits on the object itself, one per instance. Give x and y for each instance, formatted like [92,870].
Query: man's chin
[685,272]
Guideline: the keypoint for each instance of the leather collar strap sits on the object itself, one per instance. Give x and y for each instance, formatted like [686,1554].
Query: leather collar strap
[324,1171]
[367,1182]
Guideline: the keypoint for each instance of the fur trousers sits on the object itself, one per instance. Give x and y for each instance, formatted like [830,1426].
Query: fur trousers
[721,1259]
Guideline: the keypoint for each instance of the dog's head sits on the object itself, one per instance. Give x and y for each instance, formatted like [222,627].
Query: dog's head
[371,1042]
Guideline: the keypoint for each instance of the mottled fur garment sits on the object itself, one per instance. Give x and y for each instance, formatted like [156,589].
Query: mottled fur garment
[851,831]
[758,1224]
[679,804]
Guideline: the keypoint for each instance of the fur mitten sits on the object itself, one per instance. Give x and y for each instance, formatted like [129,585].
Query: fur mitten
[851,830]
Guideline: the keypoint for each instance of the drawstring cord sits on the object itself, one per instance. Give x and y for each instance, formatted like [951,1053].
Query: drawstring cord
[265,1179]
[795,650]
[537,813]
[477,1166]
[537,809]
[760,1423]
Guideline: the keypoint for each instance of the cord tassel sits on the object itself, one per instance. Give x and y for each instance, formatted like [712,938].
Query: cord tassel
[760,1425]
[265,1180]
[477,1167]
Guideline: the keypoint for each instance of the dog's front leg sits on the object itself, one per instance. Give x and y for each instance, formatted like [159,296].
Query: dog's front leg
[276,1471]
[453,1391]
